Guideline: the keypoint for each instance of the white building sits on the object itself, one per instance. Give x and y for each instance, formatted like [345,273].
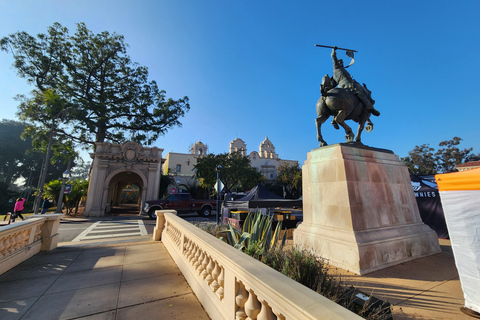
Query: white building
[265,160]
[181,165]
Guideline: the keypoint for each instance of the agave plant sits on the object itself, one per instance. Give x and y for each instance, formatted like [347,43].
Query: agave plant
[257,232]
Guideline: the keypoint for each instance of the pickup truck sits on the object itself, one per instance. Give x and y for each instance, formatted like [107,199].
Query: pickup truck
[182,203]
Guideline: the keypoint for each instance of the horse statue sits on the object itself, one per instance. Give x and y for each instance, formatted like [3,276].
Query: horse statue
[342,104]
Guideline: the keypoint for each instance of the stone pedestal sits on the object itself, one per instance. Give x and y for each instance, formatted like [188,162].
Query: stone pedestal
[359,210]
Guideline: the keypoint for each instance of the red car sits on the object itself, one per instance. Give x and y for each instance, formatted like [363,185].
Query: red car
[182,203]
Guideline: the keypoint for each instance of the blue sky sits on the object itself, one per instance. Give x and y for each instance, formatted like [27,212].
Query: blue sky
[251,70]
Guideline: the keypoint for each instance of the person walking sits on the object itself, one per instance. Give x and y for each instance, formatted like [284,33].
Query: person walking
[45,205]
[17,210]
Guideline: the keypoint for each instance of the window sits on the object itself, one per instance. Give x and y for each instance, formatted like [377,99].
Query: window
[179,168]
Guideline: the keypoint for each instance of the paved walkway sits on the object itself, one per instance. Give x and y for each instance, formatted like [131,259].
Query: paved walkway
[121,281]
[425,288]
[139,280]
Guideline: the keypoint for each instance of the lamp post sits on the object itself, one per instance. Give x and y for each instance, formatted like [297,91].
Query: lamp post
[65,176]
[218,193]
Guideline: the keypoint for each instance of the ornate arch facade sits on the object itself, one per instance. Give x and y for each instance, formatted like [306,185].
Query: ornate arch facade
[115,165]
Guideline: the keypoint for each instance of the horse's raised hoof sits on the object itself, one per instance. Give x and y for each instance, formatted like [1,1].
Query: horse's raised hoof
[369,127]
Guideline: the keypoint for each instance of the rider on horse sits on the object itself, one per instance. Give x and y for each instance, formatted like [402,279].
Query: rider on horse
[343,79]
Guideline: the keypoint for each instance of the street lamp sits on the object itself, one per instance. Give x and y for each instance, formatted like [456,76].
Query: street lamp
[66,175]
[218,193]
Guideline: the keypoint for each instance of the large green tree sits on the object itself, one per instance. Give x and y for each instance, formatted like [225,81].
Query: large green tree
[425,160]
[235,173]
[104,96]
[18,159]
[290,177]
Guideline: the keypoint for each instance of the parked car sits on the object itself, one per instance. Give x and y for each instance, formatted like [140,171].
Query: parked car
[182,203]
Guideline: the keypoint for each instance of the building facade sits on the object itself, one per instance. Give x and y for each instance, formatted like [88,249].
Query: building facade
[180,166]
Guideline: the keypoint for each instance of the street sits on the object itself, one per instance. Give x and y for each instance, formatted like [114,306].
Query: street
[119,228]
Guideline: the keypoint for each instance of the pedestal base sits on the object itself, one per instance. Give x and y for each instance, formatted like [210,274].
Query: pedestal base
[359,210]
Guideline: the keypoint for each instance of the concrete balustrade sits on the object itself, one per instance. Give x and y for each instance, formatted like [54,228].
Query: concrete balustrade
[233,285]
[22,240]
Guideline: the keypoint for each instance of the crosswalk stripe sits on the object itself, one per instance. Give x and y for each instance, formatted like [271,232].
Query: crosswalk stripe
[107,229]
[85,232]
[116,235]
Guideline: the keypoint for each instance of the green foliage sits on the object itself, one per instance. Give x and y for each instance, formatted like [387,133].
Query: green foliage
[19,160]
[291,178]
[236,171]
[71,200]
[256,236]
[424,160]
[421,160]
[7,198]
[112,96]
[52,190]
[47,113]
[165,182]
[450,156]
[15,159]
[79,191]
[302,266]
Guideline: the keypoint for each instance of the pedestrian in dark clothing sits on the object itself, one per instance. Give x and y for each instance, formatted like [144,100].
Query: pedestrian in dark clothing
[17,210]
[45,205]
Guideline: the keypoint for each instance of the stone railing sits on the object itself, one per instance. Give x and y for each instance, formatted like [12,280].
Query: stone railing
[22,240]
[233,285]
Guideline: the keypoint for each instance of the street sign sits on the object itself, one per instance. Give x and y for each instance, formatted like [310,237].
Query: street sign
[219,184]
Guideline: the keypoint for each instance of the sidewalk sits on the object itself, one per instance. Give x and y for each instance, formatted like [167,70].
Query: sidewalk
[425,288]
[139,280]
[121,281]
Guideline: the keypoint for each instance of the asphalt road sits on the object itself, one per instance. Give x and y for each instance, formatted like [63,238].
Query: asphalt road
[116,228]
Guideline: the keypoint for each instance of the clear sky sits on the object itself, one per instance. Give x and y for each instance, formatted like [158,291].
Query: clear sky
[251,70]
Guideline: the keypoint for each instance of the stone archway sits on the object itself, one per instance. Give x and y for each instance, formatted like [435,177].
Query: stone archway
[114,166]
[117,182]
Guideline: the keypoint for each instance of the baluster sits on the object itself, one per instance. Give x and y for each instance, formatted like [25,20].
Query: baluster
[215,273]
[187,248]
[18,241]
[197,258]
[221,281]
[240,300]
[2,247]
[205,262]
[193,256]
[279,316]
[210,267]
[252,306]
[11,243]
[266,313]
[199,263]
[193,251]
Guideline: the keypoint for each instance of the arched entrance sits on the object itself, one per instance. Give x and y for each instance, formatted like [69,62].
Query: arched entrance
[118,171]
[124,193]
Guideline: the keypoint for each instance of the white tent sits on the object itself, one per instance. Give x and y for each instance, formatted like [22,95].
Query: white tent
[460,195]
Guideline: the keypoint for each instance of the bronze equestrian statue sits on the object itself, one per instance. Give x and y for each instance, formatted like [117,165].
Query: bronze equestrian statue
[344,99]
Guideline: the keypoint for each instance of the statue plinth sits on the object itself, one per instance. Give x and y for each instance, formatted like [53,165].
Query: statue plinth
[359,210]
